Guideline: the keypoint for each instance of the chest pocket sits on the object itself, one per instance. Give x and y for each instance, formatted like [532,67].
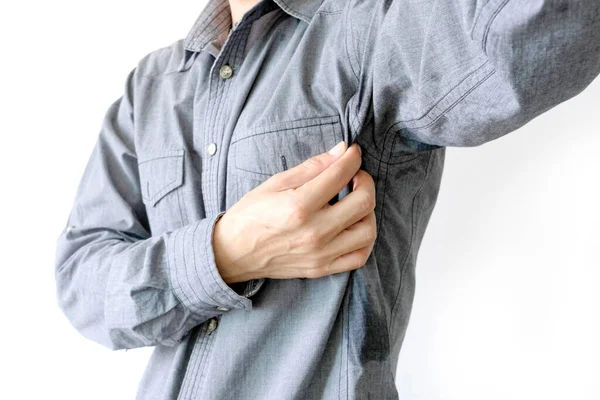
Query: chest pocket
[160,174]
[259,153]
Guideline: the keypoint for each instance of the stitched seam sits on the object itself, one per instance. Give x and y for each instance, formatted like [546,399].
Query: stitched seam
[198,362]
[261,175]
[292,11]
[349,39]
[153,199]
[168,186]
[213,115]
[298,123]
[190,368]
[241,36]
[196,270]
[384,183]
[478,17]
[211,35]
[333,133]
[432,108]
[365,148]
[360,57]
[214,14]
[177,154]
[255,172]
[415,216]
[489,24]
[180,290]
[263,131]
[213,110]
[182,210]
[382,213]
[209,345]
[475,86]
[328,13]
[193,337]
[448,109]
[354,115]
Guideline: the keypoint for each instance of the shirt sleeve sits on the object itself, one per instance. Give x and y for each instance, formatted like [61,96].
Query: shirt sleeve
[464,72]
[117,284]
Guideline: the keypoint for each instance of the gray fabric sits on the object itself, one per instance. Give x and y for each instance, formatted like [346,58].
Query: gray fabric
[405,79]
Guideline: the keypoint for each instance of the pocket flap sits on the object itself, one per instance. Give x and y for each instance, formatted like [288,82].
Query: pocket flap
[160,174]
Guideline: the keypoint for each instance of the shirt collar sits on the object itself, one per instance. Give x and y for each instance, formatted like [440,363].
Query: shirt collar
[215,18]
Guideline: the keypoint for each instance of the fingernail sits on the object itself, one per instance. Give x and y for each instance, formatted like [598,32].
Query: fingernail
[337,149]
[359,149]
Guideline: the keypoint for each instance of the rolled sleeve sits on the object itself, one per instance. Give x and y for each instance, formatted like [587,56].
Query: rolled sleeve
[194,274]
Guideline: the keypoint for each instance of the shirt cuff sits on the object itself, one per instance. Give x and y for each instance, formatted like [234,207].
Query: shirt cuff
[194,275]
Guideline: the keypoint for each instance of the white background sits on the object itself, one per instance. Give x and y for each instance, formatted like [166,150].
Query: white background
[506,304]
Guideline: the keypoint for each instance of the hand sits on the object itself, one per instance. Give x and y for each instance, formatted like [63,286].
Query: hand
[285,228]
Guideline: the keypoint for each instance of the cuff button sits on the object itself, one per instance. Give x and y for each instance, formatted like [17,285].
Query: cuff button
[212,325]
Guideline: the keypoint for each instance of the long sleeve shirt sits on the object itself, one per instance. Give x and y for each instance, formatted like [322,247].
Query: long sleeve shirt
[208,118]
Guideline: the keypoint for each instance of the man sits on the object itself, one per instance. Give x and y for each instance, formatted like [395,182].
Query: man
[211,222]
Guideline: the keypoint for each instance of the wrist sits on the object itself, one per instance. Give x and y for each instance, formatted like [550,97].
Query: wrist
[222,252]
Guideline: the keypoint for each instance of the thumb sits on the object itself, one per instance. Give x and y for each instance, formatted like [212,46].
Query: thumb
[297,176]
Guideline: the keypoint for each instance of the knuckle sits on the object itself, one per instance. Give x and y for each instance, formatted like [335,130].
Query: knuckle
[311,238]
[367,202]
[299,214]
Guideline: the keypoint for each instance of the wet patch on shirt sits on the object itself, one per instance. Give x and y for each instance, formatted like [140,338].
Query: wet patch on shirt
[369,346]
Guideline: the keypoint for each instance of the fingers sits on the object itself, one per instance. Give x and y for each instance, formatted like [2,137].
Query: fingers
[359,235]
[314,194]
[350,249]
[350,261]
[352,208]
[295,177]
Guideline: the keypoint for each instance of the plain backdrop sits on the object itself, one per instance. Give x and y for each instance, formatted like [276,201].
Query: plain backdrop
[506,307]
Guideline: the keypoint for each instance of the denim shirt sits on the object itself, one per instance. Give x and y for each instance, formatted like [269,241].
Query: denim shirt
[208,118]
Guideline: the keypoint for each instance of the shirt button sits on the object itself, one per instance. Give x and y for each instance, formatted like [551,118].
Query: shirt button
[212,325]
[222,308]
[225,71]
[212,149]
[69,228]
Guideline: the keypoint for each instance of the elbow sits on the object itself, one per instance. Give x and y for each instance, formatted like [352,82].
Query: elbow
[83,306]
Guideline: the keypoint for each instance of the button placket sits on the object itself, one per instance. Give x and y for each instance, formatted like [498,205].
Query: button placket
[219,108]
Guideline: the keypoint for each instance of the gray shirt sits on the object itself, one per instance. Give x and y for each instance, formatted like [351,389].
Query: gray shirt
[205,120]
